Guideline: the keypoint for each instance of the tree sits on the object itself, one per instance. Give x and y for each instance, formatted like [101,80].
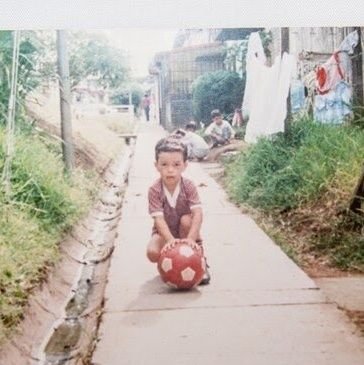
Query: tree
[92,56]
[120,95]
[221,90]
[235,54]
[28,77]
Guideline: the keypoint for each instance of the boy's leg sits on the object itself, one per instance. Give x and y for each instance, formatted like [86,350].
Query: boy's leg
[185,225]
[220,140]
[214,140]
[201,153]
[184,228]
[226,133]
[154,247]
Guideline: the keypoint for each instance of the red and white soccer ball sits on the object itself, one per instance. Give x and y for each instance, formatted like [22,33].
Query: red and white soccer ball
[182,267]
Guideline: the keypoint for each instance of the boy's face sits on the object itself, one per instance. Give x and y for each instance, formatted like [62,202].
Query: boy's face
[170,165]
[218,120]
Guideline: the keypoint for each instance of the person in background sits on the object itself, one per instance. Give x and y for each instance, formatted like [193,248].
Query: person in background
[237,118]
[146,106]
[196,146]
[220,130]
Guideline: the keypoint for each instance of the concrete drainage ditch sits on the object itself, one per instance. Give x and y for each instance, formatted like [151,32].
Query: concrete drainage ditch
[61,321]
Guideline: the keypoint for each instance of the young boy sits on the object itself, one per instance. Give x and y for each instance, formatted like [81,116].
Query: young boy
[219,130]
[197,148]
[174,203]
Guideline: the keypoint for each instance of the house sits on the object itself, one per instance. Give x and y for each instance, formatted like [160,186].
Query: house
[195,52]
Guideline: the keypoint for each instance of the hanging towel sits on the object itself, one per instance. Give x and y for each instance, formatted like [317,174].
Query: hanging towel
[255,54]
[297,95]
[267,96]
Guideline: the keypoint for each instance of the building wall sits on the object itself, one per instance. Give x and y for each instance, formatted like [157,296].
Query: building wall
[311,46]
[178,70]
[309,39]
[196,52]
[195,37]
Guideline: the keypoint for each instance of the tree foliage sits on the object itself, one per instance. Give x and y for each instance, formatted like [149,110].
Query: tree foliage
[121,95]
[221,90]
[236,52]
[28,70]
[91,56]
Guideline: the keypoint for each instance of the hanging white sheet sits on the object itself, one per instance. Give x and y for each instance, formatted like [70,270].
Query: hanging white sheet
[265,98]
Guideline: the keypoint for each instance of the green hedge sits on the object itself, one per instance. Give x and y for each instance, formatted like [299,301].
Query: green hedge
[221,90]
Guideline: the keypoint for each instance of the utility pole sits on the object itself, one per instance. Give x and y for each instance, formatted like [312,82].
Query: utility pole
[65,100]
[10,124]
[357,64]
[357,201]
[285,48]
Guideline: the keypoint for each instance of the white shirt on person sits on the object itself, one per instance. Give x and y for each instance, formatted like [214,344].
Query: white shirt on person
[194,140]
[218,129]
[196,145]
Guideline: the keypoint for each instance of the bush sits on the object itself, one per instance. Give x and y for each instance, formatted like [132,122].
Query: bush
[121,96]
[221,90]
[282,172]
[39,185]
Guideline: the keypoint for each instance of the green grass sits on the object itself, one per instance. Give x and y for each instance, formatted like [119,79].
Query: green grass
[284,172]
[25,250]
[43,205]
[306,176]
[344,243]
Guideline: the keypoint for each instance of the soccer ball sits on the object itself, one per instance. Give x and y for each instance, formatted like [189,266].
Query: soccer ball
[182,267]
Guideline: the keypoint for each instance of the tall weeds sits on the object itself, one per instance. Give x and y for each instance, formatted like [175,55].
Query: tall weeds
[43,204]
[283,172]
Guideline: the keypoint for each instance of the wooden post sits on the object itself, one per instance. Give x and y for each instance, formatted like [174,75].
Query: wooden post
[285,48]
[65,98]
[358,94]
[357,202]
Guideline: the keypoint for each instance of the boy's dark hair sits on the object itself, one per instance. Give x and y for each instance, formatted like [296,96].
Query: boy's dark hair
[169,144]
[178,133]
[215,113]
[191,125]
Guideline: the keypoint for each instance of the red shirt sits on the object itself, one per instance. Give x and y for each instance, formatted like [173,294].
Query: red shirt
[172,211]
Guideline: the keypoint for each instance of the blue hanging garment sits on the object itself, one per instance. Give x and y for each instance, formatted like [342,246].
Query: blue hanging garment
[297,95]
[333,107]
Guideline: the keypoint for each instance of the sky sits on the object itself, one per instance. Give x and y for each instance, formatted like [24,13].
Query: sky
[141,45]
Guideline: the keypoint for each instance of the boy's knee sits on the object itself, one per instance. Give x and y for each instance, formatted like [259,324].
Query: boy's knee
[153,255]
[186,221]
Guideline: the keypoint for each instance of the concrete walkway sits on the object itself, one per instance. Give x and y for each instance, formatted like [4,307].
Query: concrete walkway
[260,308]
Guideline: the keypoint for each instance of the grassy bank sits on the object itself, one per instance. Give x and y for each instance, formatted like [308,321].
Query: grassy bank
[302,184]
[43,205]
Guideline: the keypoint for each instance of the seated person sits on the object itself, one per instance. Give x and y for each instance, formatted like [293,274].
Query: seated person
[220,131]
[196,146]
[174,203]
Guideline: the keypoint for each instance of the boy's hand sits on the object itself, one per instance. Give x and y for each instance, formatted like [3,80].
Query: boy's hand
[170,244]
[190,242]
